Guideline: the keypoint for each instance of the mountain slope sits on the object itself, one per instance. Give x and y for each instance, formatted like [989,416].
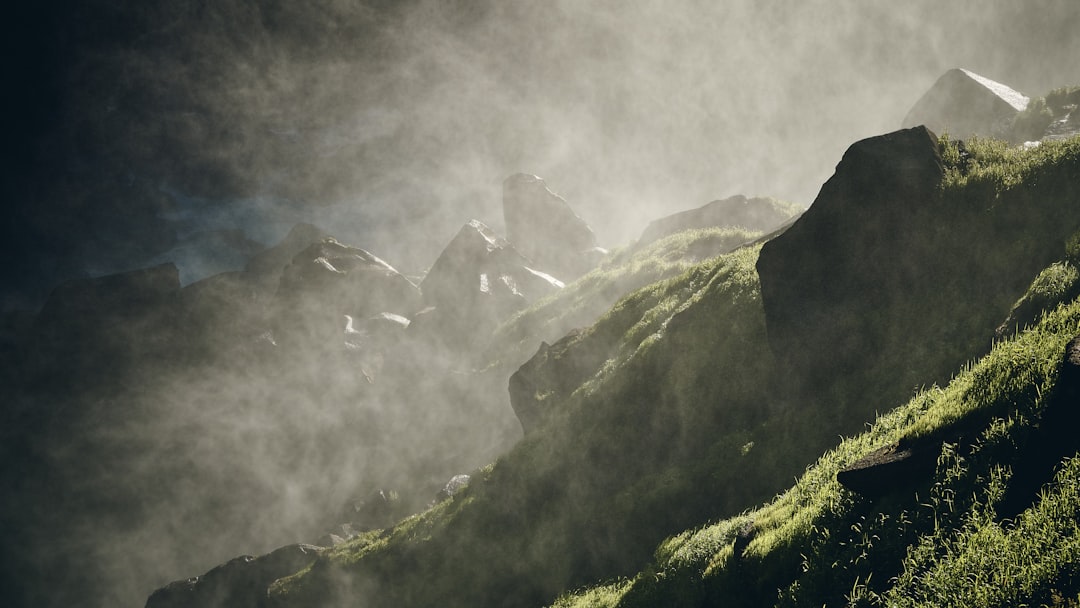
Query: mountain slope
[691,419]
[973,532]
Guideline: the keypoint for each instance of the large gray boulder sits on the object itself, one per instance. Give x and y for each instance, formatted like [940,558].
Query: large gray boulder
[759,214]
[544,228]
[327,281]
[479,280]
[964,104]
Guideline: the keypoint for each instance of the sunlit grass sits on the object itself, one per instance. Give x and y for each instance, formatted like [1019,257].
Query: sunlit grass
[818,533]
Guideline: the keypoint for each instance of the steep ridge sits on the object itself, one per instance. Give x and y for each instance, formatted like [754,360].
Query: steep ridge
[692,419]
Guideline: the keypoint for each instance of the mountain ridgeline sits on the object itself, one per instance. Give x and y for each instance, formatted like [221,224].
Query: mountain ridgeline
[538,422]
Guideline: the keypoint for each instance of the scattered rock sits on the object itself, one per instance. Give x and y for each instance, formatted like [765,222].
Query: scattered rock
[456,484]
[893,467]
[758,214]
[542,226]
[964,104]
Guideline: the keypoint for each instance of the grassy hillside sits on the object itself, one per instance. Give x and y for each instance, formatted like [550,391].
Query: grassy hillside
[681,426]
[947,541]
[585,300]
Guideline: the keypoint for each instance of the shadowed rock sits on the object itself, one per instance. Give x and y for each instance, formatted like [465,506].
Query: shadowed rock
[543,227]
[1056,437]
[265,267]
[965,104]
[853,257]
[239,583]
[327,281]
[892,468]
[550,376]
[758,214]
[477,281]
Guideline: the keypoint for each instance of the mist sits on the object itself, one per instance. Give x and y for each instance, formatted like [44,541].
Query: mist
[410,114]
[151,127]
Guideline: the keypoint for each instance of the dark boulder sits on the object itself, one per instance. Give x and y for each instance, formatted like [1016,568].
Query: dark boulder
[544,228]
[758,214]
[327,281]
[479,280]
[239,583]
[1054,439]
[964,104]
[551,375]
[895,467]
[845,278]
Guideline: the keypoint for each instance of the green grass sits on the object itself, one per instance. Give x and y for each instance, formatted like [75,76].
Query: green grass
[678,426]
[936,545]
[585,300]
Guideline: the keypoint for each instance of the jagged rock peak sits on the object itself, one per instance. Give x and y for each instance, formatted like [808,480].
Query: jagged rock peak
[544,228]
[964,103]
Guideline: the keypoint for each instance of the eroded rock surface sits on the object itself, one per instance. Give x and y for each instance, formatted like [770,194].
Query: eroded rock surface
[545,229]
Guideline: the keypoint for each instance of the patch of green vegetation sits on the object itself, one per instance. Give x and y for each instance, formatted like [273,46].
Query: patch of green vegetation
[940,543]
[679,426]
[1031,124]
[582,302]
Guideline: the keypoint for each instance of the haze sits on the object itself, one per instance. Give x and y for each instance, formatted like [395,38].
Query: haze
[199,132]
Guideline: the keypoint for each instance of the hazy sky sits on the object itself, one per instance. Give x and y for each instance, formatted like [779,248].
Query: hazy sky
[393,123]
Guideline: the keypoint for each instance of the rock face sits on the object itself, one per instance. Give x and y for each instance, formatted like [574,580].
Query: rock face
[327,281]
[551,375]
[477,281]
[853,256]
[965,104]
[103,318]
[265,267]
[1054,439]
[545,229]
[892,468]
[239,582]
[760,214]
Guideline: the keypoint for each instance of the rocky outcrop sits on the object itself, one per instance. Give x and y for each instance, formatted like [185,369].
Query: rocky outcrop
[327,281]
[477,281]
[853,257]
[550,376]
[97,322]
[757,214]
[964,104]
[545,229]
[894,467]
[240,582]
[1054,439]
